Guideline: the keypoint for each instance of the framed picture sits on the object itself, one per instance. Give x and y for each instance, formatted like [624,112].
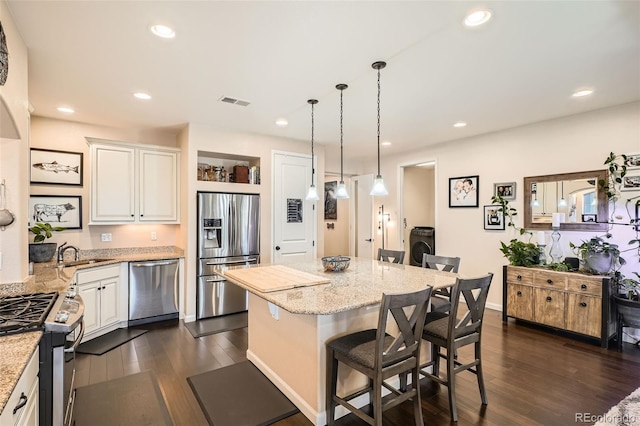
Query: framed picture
[493,218]
[633,161]
[56,167]
[330,201]
[505,190]
[631,181]
[463,191]
[57,210]
[589,218]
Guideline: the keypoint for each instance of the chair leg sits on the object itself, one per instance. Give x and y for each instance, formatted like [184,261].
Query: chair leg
[377,403]
[480,374]
[619,335]
[451,385]
[403,381]
[332,380]
[435,357]
[417,405]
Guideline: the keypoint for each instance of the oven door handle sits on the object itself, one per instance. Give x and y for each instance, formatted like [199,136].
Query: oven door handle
[76,343]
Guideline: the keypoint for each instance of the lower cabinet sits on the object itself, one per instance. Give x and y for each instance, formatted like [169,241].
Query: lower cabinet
[567,301]
[100,291]
[23,404]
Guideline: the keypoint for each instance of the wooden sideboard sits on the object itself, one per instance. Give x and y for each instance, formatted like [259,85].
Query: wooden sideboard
[569,301]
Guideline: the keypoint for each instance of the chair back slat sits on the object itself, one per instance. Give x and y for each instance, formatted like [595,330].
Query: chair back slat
[441,263]
[473,294]
[391,256]
[408,311]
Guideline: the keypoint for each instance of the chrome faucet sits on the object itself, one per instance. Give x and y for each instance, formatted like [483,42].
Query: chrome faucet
[63,247]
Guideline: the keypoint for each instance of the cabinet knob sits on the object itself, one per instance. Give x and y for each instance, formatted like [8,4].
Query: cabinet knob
[549,281]
[519,293]
[549,299]
[99,288]
[519,277]
[583,304]
[583,286]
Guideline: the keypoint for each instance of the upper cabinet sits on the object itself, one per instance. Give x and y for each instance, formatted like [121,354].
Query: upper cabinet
[133,183]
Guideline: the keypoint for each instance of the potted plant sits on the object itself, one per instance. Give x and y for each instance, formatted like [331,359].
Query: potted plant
[39,251]
[598,255]
[517,252]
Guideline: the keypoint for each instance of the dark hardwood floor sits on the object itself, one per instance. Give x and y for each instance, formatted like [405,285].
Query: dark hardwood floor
[532,376]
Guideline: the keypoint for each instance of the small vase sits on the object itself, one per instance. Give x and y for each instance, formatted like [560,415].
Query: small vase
[599,262]
[42,252]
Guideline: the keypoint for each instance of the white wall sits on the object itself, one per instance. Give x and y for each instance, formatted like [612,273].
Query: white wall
[14,154]
[576,143]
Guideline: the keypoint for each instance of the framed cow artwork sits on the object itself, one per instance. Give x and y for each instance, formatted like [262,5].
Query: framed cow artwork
[57,210]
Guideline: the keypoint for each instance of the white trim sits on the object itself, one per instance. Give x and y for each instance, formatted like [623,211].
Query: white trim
[494,306]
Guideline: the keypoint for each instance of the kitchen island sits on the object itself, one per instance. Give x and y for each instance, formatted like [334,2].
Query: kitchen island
[288,328]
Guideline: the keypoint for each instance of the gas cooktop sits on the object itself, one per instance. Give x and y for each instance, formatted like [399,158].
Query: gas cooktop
[25,312]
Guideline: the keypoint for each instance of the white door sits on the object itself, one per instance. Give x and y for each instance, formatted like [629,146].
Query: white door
[363,215]
[294,218]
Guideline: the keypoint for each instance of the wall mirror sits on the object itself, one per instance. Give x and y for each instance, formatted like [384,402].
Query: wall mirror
[577,195]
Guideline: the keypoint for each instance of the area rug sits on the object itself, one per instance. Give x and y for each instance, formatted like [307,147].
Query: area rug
[215,325]
[111,340]
[130,400]
[626,413]
[239,395]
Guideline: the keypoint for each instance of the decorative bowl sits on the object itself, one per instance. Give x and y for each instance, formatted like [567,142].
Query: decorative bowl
[335,263]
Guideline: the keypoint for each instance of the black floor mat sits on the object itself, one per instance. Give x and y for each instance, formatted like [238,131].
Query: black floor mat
[111,340]
[215,325]
[239,395]
[129,400]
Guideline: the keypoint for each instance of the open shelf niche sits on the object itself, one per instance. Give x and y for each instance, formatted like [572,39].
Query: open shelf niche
[222,168]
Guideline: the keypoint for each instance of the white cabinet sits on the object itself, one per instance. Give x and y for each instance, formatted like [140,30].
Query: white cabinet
[100,289]
[133,183]
[23,404]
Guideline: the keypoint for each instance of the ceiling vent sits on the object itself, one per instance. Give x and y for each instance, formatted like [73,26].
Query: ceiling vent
[235,101]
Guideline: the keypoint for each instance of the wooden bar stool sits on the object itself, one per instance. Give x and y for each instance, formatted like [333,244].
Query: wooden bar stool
[392,256]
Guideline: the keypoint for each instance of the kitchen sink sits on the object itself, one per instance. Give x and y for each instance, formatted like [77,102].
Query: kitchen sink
[79,262]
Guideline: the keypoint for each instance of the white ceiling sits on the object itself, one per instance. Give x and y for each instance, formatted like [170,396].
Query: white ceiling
[519,68]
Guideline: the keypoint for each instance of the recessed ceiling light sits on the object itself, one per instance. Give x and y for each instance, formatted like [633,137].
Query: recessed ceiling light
[163,31]
[66,110]
[460,124]
[582,92]
[142,96]
[477,17]
[385,143]
[282,122]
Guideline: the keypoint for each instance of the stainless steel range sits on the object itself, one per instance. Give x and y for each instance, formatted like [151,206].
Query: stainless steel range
[60,317]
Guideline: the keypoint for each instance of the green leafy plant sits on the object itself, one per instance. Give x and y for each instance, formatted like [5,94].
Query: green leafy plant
[598,247]
[43,231]
[617,171]
[520,253]
[561,267]
[509,213]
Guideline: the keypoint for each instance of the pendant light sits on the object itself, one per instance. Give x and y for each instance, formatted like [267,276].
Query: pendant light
[312,195]
[378,183]
[562,202]
[341,189]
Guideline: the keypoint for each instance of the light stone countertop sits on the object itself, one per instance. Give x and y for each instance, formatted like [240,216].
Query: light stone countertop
[362,284]
[16,349]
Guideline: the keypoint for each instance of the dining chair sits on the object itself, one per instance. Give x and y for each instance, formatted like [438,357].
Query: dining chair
[455,330]
[379,355]
[441,298]
[392,256]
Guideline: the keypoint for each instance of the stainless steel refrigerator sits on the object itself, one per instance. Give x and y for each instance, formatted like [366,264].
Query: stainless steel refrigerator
[228,235]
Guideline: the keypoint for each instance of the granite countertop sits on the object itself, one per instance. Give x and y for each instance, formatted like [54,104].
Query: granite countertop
[16,349]
[360,285]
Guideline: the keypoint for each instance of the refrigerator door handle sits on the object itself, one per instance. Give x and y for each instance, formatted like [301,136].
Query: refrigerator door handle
[232,222]
[234,262]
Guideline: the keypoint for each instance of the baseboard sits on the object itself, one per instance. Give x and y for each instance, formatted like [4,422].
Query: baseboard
[494,306]
[189,318]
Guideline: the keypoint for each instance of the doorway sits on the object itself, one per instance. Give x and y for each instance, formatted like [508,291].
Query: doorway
[418,200]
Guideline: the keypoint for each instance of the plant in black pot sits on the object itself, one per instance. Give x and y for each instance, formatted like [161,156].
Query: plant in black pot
[598,255]
[39,251]
[517,252]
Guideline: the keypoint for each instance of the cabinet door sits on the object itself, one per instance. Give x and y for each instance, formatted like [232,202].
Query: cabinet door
[29,416]
[520,301]
[549,307]
[158,186]
[91,298]
[112,184]
[109,302]
[584,314]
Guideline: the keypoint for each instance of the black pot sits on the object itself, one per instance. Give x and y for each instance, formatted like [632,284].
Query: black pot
[42,252]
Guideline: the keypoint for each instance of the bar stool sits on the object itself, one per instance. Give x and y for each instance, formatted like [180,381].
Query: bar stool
[392,256]
[380,356]
[441,298]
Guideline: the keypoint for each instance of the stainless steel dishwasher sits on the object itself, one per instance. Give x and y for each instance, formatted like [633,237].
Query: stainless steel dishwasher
[153,291]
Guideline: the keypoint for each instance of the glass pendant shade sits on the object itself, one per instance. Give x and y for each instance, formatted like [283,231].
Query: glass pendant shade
[341,191]
[562,203]
[378,187]
[312,194]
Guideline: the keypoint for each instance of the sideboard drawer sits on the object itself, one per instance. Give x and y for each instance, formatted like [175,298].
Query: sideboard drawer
[584,314]
[550,280]
[520,301]
[586,285]
[549,307]
[520,276]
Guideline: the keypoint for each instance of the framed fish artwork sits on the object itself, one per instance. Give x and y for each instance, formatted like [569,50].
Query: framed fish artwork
[51,167]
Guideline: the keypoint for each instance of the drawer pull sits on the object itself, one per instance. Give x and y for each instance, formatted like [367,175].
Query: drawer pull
[519,277]
[583,286]
[583,304]
[549,299]
[22,403]
[519,293]
[549,281]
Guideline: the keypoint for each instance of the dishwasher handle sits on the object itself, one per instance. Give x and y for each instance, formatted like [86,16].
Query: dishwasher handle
[151,264]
